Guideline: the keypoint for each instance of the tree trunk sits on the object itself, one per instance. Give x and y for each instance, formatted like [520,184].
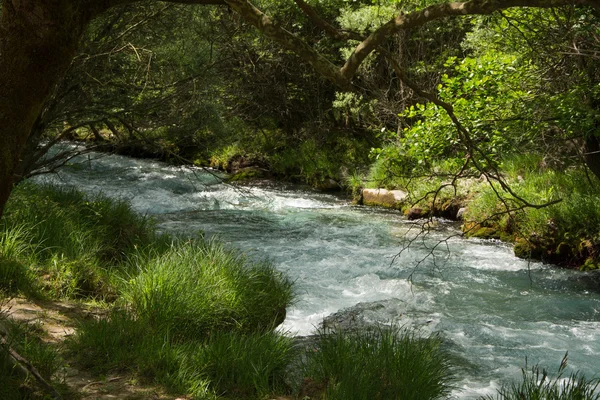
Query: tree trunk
[592,154]
[38,40]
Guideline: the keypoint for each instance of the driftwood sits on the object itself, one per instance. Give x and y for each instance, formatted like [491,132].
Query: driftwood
[24,366]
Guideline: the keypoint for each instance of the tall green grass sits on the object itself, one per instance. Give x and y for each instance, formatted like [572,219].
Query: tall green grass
[238,365]
[567,232]
[198,318]
[385,363]
[16,249]
[199,286]
[74,241]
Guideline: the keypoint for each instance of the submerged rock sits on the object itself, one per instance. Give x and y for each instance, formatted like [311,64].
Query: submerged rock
[383,198]
[371,315]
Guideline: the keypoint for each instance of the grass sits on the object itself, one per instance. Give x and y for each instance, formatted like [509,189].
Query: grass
[196,287]
[197,318]
[565,233]
[25,339]
[385,363]
[537,384]
[189,314]
[240,365]
[16,249]
[71,242]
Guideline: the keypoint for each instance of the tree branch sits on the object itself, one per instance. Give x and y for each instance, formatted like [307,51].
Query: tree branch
[289,41]
[439,11]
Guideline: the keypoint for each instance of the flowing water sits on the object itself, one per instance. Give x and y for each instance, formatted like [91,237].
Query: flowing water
[492,309]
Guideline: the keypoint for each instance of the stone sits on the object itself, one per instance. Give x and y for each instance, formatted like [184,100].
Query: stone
[383,198]
[416,213]
[372,315]
[460,213]
[329,184]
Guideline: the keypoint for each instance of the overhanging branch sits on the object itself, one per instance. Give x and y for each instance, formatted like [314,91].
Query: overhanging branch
[439,11]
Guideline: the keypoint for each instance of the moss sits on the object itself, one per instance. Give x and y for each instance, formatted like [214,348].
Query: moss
[506,237]
[246,174]
[449,208]
[526,249]
[486,233]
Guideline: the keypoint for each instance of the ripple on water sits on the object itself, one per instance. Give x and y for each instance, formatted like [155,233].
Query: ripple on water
[492,309]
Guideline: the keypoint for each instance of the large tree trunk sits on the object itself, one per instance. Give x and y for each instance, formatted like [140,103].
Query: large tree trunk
[38,39]
[592,154]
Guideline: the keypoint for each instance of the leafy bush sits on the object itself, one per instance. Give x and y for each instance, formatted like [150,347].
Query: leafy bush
[386,363]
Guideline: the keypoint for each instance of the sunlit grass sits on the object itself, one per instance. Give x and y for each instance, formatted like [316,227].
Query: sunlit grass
[385,363]
[539,384]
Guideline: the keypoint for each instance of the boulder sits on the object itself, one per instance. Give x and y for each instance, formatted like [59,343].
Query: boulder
[248,173]
[416,213]
[372,315]
[383,198]
[329,184]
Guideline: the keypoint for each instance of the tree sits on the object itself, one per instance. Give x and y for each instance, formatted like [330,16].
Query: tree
[39,38]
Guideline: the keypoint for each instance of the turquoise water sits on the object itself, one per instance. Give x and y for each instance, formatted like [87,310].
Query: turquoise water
[492,309]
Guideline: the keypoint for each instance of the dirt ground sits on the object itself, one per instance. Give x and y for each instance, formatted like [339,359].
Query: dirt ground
[58,319]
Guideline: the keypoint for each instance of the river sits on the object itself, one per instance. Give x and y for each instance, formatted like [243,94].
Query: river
[493,309]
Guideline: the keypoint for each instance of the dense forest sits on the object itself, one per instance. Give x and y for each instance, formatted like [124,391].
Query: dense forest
[485,112]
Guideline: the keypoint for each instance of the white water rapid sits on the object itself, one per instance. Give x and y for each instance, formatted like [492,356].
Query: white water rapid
[493,309]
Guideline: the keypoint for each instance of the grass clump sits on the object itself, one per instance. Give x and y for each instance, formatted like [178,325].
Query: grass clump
[197,318]
[239,365]
[65,243]
[537,384]
[386,363]
[199,286]
[16,249]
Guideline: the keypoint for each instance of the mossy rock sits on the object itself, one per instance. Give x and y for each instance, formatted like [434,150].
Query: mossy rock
[247,174]
[526,249]
[485,233]
[384,198]
[414,213]
[449,209]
